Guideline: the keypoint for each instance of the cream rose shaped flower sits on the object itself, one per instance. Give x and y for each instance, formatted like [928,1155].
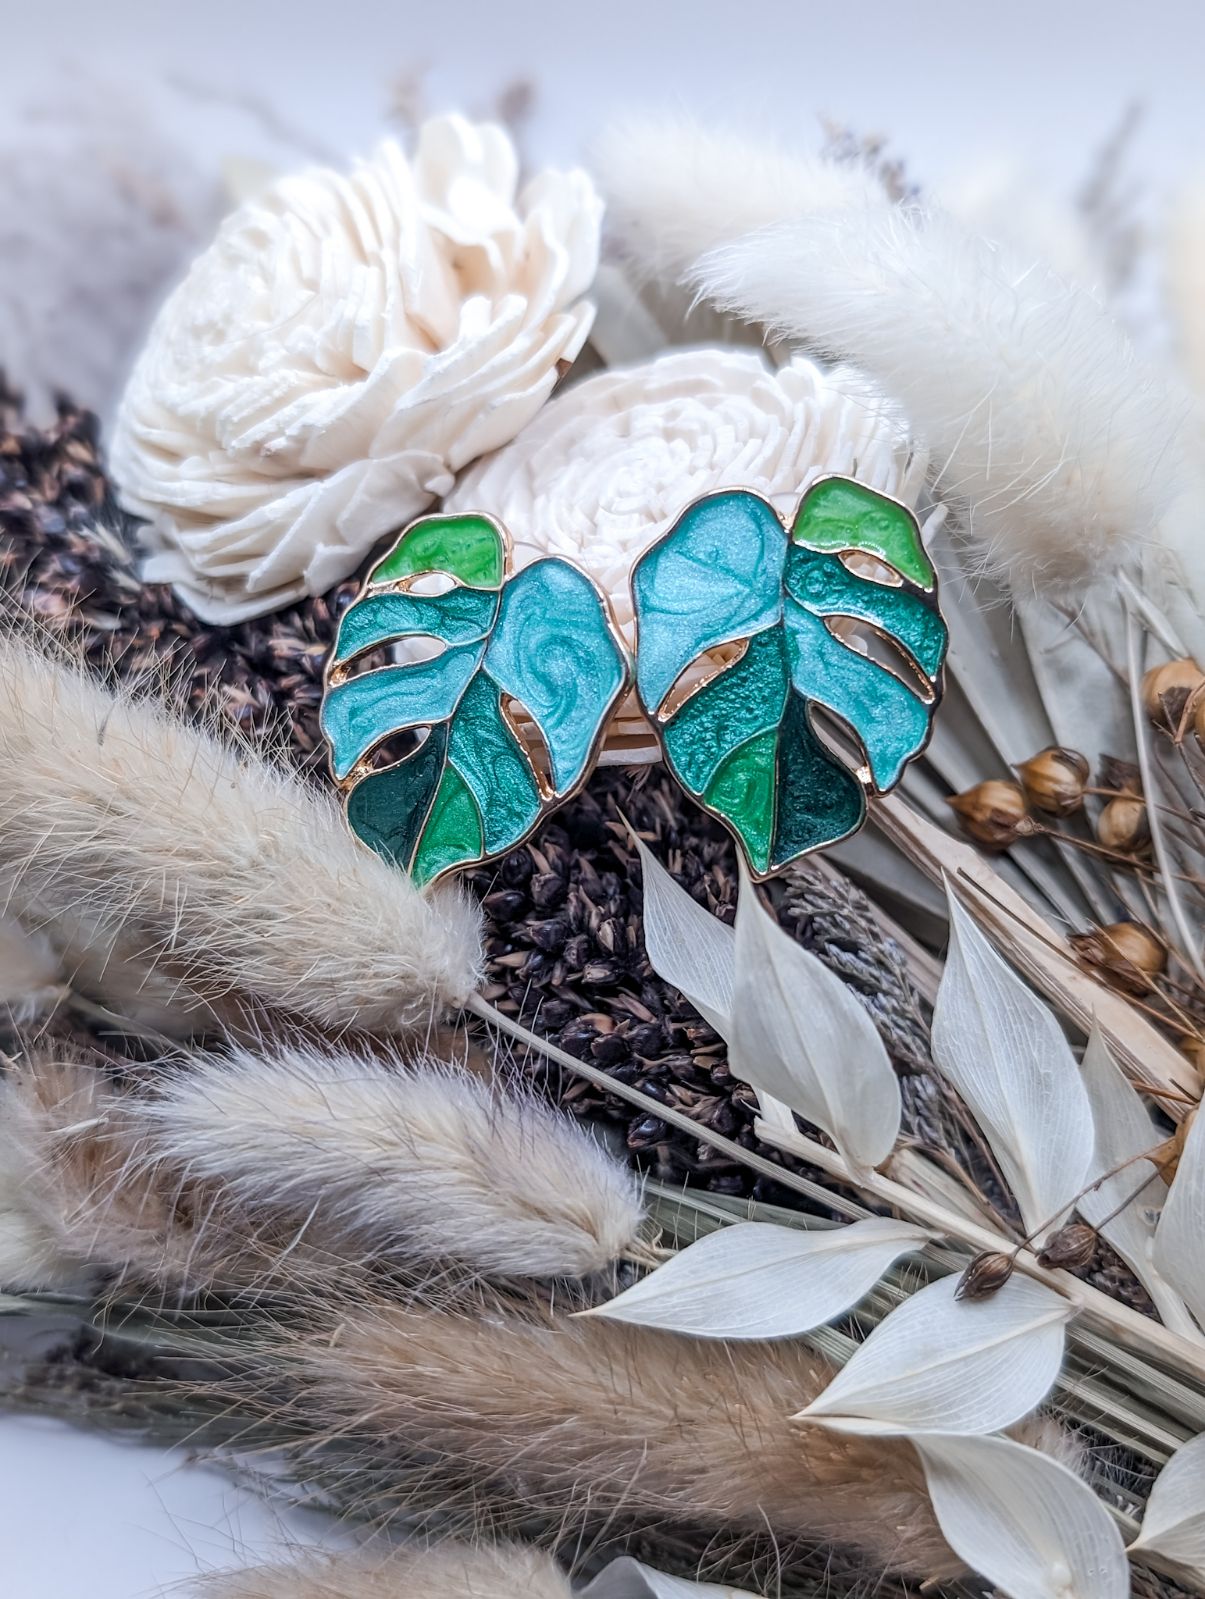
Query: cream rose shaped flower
[612,461]
[342,349]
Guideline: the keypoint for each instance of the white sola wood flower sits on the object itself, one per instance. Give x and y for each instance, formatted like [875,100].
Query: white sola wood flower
[348,343]
[611,462]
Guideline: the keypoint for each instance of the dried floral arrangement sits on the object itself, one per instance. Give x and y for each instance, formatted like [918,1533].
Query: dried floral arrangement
[599,1216]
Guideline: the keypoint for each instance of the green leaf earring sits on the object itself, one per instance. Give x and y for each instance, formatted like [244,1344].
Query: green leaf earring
[533,649]
[765,617]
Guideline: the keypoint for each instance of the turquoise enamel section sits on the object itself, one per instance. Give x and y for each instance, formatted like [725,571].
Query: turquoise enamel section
[554,653]
[460,616]
[469,788]
[744,743]
[713,578]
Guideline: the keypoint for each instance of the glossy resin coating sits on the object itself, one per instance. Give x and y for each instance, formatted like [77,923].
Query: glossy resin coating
[729,578]
[541,640]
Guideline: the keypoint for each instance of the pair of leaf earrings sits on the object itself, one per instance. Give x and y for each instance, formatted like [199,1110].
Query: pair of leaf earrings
[501,684]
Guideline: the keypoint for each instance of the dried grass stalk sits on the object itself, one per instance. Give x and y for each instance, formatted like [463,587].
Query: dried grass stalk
[444,1571]
[223,873]
[576,1417]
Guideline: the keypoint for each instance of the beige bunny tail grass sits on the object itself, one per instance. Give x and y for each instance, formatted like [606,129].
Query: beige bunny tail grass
[676,188]
[569,1418]
[425,1162]
[226,871]
[1039,418]
[81,1207]
[1037,415]
[31,977]
[443,1571]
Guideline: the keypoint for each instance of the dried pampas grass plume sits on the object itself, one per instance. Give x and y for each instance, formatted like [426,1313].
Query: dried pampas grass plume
[444,1571]
[425,1163]
[677,189]
[582,1418]
[1038,417]
[230,874]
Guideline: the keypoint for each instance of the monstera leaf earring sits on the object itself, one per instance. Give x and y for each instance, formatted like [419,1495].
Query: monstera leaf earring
[497,685]
[819,650]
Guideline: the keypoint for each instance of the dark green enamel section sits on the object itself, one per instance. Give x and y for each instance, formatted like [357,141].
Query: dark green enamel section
[542,638]
[715,577]
[458,617]
[466,547]
[743,743]
[828,588]
[837,514]
[358,714]
[387,809]
[819,802]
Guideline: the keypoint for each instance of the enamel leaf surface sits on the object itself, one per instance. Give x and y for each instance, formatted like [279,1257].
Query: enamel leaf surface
[729,578]
[540,638]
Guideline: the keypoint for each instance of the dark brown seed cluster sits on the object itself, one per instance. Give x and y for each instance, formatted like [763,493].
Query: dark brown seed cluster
[67,555]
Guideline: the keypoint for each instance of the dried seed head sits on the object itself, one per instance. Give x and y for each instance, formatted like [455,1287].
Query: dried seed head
[995,814]
[1168,1156]
[1193,1045]
[1123,826]
[986,1273]
[1126,954]
[1121,776]
[1198,721]
[1054,780]
[1072,1247]
[1165,689]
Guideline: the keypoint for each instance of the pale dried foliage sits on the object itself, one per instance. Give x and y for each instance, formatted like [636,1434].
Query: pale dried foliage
[123,826]
[444,1571]
[568,1418]
[424,1162]
[1038,416]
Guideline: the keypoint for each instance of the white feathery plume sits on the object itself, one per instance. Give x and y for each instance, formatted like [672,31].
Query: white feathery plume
[234,876]
[1185,265]
[421,1163]
[1037,414]
[443,1571]
[677,189]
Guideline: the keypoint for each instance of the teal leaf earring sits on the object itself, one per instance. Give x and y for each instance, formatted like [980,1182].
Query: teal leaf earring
[765,617]
[533,649]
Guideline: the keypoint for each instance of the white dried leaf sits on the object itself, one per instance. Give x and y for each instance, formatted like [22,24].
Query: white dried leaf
[626,1578]
[687,947]
[1023,1520]
[756,1280]
[1174,1523]
[1179,1249]
[1124,1129]
[948,1365]
[1005,1053]
[800,1035]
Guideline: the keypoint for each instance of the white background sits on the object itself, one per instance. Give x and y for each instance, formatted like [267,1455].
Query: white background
[952,82]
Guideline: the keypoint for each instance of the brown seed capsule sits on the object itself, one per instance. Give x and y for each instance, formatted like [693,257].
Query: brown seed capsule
[1198,721]
[1120,775]
[1072,1247]
[1126,954]
[1054,780]
[995,814]
[986,1273]
[1166,688]
[1123,826]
